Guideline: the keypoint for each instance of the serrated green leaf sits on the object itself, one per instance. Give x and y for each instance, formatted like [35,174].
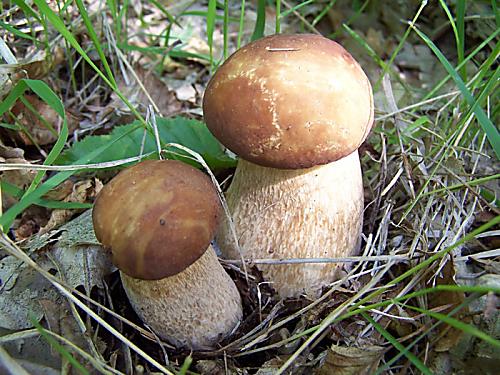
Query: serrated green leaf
[187,132]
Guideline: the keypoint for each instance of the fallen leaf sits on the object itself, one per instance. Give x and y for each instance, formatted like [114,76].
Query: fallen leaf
[36,66]
[20,290]
[80,193]
[78,232]
[32,219]
[21,178]
[40,123]
[343,360]
[79,256]
[83,265]
[210,367]
[183,89]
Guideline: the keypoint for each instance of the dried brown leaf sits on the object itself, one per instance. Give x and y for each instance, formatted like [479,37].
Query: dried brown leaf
[20,292]
[41,126]
[79,193]
[342,360]
[21,178]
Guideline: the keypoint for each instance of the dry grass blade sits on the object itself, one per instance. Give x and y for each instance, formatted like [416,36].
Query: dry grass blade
[10,364]
[384,258]
[76,167]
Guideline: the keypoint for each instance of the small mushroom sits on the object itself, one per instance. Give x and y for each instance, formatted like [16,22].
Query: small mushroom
[158,218]
[295,108]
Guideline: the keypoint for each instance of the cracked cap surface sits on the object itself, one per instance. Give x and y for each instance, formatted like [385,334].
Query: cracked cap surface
[290,101]
[157,217]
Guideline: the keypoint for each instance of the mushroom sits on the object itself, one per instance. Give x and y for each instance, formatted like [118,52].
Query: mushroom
[158,218]
[295,108]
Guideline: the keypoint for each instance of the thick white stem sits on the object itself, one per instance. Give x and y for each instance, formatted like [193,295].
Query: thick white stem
[195,308]
[306,213]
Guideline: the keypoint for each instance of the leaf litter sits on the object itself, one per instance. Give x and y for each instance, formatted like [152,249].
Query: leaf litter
[273,330]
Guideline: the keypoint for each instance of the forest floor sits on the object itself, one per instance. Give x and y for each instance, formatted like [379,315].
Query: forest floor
[82,85]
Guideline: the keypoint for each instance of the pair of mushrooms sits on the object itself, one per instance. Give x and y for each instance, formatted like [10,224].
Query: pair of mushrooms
[295,108]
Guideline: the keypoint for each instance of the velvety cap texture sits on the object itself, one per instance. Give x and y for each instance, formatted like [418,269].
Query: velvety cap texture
[290,101]
[157,217]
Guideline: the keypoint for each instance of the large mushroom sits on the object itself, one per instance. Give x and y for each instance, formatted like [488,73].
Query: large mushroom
[295,108]
[158,218]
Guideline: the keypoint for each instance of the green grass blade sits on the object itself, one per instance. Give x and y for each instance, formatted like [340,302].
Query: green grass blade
[433,258]
[486,66]
[371,52]
[203,13]
[175,52]
[17,193]
[488,89]
[113,9]
[241,25]
[14,94]
[483,44]
[16,32]
[212,8]
[260,23]
[358,11]
[464,327]
[453,27]
[185,365]
[323,13]
[296,8]
[95,41]
[475,182]
[496,13]
[226,28]
[59,25]
[461,4]
[165,12]
[10,126]
[389,363]
[278,17]
[486,124]
[480,290]
[458,31]
[412,357]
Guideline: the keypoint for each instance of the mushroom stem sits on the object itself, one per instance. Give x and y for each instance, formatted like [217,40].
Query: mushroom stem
[305,213]
[195,308]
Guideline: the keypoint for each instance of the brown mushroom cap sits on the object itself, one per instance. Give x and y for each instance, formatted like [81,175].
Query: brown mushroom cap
[158,217]
[290,101]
